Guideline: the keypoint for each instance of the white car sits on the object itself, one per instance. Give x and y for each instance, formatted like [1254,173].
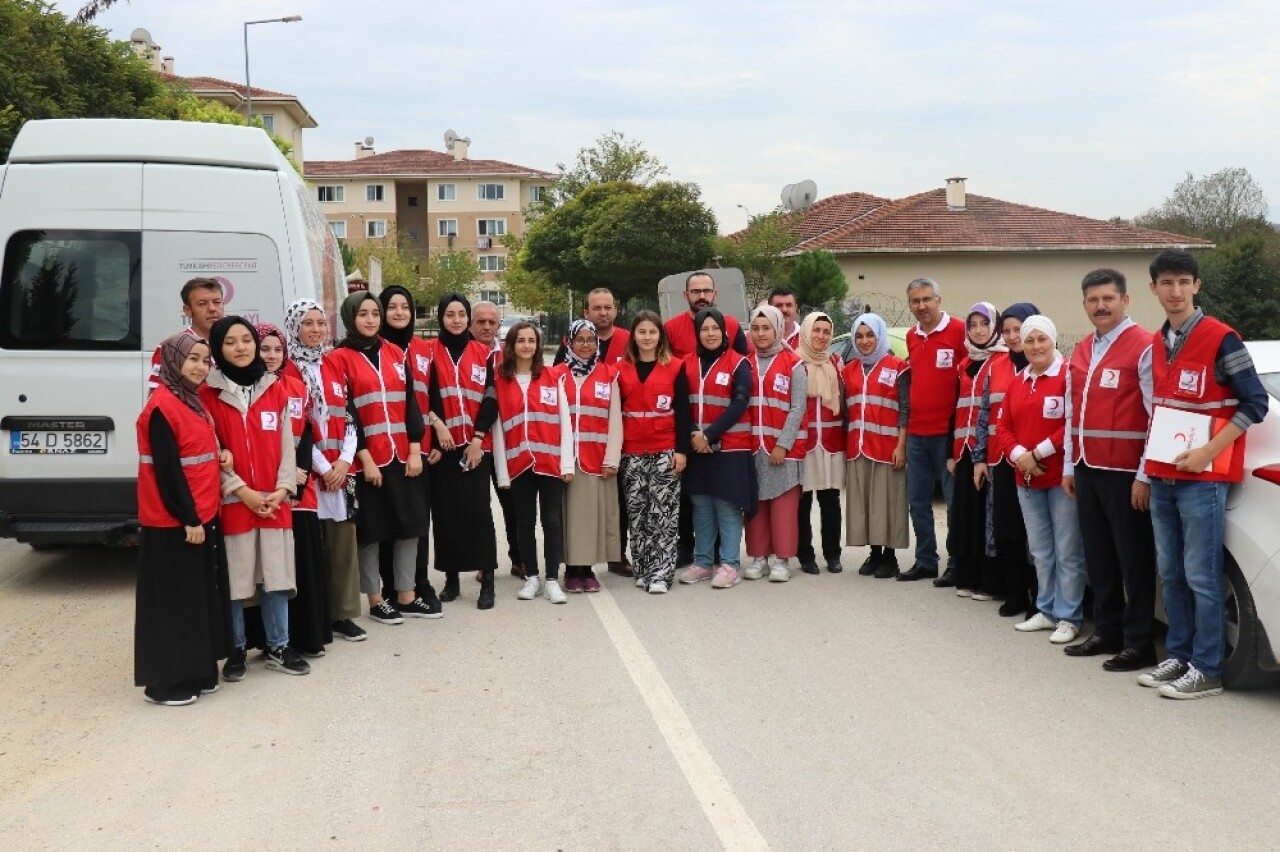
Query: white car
[1252,542]
[510,320]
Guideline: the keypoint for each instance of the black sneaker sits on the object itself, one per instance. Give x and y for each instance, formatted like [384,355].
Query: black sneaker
[234,668]
[385,613]
[868,566]
[173,697]
[809,566]
[209,685]
[432,600]
[311,653]
[887,566]
[418,608]
[287,660]
[349,630]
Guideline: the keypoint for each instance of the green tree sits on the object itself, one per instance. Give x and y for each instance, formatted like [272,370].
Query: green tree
[817,279]
[613,158]
[759,252]
[398,266]
[525,289]
[448,272]
[1217,206]
[1241,284]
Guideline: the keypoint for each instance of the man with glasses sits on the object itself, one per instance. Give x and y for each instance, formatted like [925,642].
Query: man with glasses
[700,292]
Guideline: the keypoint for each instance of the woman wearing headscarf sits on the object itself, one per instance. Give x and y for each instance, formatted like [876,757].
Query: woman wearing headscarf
[250,410]
[332,455]
[398,317]
[1006,537]
[365,377]
[976,574]
[592,526]
[778,406]
[464,408]
[824,444]
[877,390]
[180,613]
[720,477]
[1030,431]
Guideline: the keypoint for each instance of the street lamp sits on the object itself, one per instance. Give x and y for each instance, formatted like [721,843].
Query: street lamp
[248,92]
[745,210]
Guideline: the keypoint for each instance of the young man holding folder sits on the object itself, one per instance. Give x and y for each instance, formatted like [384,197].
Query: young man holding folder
[1199,367]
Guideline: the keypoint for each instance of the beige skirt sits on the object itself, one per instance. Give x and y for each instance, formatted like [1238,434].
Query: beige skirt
[875,504]
[592,526]
[823,470]
[260,557]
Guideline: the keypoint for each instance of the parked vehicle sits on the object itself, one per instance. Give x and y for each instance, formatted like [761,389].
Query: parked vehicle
[510,320]
[101,223]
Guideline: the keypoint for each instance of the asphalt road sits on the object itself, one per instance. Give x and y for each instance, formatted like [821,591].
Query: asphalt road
[831,712]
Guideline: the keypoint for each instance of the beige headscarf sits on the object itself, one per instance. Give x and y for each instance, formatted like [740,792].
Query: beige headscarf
[822,378]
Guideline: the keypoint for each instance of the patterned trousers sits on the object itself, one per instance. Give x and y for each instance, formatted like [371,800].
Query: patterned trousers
[653,512]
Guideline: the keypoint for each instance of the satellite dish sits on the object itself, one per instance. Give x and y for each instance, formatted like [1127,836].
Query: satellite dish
[450,136]
[368,141]
[799,196]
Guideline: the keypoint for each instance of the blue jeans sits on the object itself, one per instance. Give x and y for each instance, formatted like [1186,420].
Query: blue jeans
[926,464]
[709,517]
[1053,537]
[1187,517]
[275,619]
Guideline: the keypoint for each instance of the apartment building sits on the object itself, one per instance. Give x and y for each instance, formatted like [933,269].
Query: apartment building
[435,201]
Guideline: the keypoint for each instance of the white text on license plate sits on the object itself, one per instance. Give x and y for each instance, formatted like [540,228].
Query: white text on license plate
[29,442]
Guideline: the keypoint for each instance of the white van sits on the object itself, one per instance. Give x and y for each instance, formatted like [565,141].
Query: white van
[101,223]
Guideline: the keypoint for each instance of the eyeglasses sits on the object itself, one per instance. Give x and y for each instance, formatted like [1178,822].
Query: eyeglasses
[707,292]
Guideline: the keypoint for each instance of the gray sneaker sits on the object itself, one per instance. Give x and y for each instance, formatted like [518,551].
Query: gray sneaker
[1167,672]
[1193,684]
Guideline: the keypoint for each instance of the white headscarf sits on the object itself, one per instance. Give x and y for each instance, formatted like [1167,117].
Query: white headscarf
[300,353]
[880,330]
[1041,323]
[774,316]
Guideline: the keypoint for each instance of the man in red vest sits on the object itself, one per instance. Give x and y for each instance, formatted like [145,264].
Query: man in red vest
[1108,412]
[202,304]
[784,299]
[935,348]
[700,292]
[602,309]
[1199,366]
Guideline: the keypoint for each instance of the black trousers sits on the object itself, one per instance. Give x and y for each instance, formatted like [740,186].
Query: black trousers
[832,524]
[622,516]
[1119,555]
[532,493]
[508,522]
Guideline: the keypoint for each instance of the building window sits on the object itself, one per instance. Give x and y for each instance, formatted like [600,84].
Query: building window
[331,194]
[493,263]
[447,227]
[413,201]
[375,228]
[490,192]
[339,229]
[536,193]
[268,122]
[447,192]
[373,192]
[413,234]
[491,227]
[498,297]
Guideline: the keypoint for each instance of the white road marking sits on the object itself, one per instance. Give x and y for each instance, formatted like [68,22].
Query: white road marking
[728,817]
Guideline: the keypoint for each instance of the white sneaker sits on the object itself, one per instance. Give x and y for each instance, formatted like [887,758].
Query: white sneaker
[529,590]
[658,587]
[964,593]
[982,596]
[779,570]
[640,582]
[1039,621]
[1065,632]
[757,569]
[554,593]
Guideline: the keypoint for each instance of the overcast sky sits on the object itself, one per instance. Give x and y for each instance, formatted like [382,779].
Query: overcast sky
[1096,108]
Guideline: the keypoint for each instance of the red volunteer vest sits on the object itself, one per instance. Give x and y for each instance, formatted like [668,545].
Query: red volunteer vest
[589,413]
[1108,417]
[825,429]
[872,403]
[417,362]
[1033,411]
[378,397]
[530,423]
[933,376]
[709,397]
[462,388]
[616,346]
[770,404]
[1187,382]
[969,401]
[197,452]
[684,340]
[299,408]
[648,408]
[1000,376]
[254,442]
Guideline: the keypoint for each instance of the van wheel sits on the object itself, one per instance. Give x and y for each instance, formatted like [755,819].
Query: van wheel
[1242,635]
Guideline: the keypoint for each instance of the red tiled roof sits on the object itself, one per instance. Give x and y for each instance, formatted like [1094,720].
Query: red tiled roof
[858,222]
[209,85]
[415,162]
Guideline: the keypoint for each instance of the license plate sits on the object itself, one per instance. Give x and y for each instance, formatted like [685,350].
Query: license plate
[30,442]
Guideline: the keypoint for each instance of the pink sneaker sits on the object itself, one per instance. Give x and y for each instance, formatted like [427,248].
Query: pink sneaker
[726,577]
[573,585]
[696,574]
[590,584]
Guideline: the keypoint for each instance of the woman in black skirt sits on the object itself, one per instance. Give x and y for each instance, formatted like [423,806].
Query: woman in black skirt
[180,627]
[465,407]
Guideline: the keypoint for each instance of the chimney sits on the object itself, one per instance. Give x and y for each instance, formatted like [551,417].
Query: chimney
[166,65]
[459,149]
[364,149]
[955,193]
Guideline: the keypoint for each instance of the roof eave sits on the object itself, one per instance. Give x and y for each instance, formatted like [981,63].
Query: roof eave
[424,175]
[1002,249]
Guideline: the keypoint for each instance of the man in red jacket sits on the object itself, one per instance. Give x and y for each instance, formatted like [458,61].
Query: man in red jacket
[700,292]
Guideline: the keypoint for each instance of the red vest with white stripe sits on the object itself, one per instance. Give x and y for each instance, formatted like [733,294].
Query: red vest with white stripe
[197,453]
[771,402]
[530,423]
[933,376]
[969,402]
[1187,382]
[376,394]
[617,346]
[417,361]
[822,427]
[648,408]
[710,395]
[589,412]
[299,408]
[872,403]
[1109,419]
[254,441]
[1002,374]
[462,388]
[1035,410]
[684,340]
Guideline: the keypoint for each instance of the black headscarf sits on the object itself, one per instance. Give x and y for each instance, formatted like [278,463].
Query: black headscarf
[399,336]
[248,375]
[709,356]
[1020,311]
[354,339]
[453,342]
